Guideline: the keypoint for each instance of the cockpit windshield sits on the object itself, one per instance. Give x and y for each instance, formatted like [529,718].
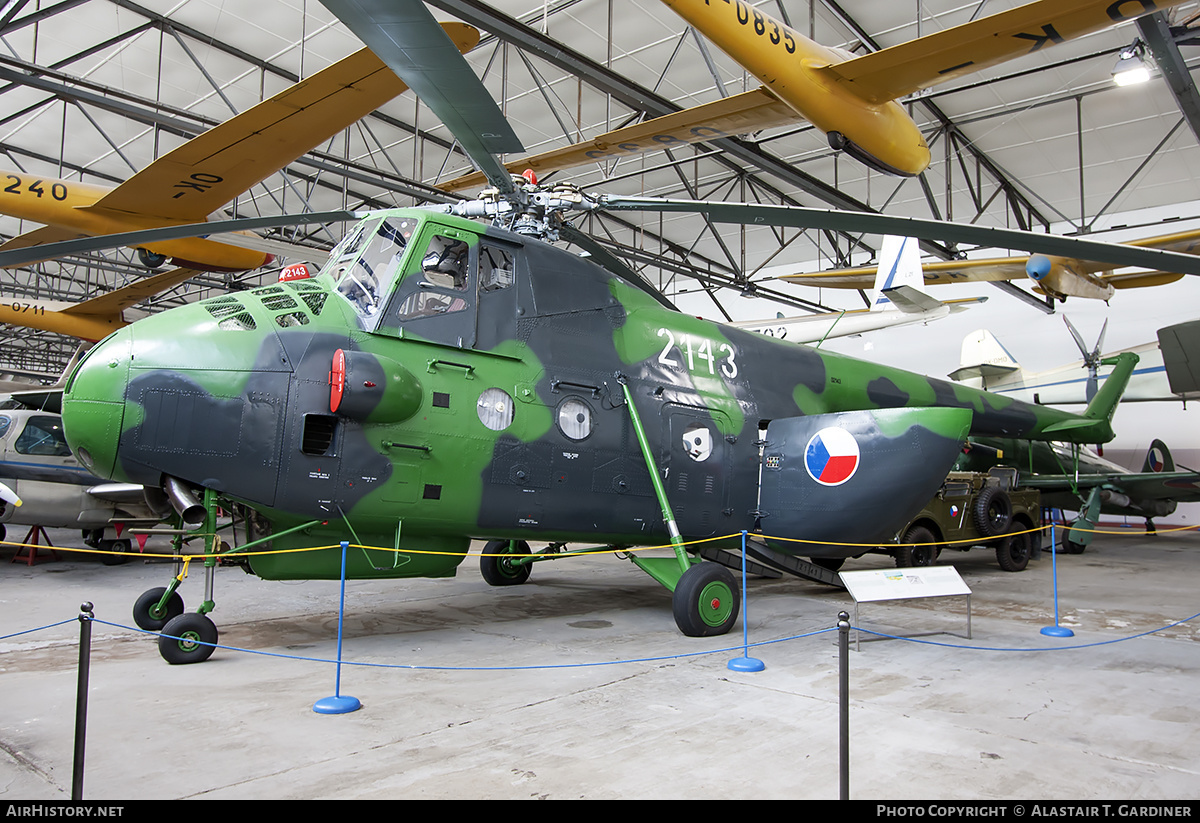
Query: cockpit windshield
[366,263]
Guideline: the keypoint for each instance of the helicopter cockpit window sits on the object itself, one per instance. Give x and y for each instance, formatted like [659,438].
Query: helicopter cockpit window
[444,271]
[43,435]
[364,279]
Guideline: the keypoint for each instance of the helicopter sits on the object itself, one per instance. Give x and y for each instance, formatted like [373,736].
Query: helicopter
[442,380]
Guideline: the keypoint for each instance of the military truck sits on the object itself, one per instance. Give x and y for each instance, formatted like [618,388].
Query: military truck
[973,510]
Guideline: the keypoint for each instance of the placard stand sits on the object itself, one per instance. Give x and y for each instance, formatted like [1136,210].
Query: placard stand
[879,585]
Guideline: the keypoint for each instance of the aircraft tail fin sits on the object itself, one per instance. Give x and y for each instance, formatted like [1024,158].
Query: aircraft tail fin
[1095,424]
[899,265]
[1158,458]
[983,356]
[1105,401]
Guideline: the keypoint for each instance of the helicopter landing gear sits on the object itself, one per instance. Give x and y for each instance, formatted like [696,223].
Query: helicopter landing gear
[152,614]
[706,601]
[185,637]
[188,638]
[502,571]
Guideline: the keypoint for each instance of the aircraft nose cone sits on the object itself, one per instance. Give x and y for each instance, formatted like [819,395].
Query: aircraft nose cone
[1038,267]
[94,404]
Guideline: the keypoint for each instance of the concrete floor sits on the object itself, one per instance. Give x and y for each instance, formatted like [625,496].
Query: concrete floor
[496,701]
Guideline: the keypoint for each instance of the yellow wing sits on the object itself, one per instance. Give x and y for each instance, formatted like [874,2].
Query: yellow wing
[208,171]
[894,72]
[935,273]
[40,237]
[743,113]
[117,300]
[92,319]
[1013,268]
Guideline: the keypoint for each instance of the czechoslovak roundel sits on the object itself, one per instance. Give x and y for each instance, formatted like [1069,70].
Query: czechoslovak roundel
[831,457]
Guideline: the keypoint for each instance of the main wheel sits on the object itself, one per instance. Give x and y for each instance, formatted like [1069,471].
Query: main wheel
[1070,546]
[187,639]
[501,571]
[993,511]
[925,551]
[149,616]
[706,601]
[116,551]
[1013,551]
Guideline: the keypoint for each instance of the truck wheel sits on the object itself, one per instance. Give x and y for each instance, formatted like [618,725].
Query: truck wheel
[1013,551]
[908,556]
[993,511]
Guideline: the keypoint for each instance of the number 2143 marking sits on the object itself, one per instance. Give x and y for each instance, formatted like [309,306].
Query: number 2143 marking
[698,351]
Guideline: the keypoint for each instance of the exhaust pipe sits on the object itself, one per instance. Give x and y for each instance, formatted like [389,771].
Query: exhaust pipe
[156,501]
[186,504]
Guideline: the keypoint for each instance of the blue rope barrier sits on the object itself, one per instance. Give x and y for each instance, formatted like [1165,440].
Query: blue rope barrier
[1034,648]
[660,658]
[38,629]
[683,655]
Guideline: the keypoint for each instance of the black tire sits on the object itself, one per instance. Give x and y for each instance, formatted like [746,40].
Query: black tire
[151,260]
[501,571]
[116,551]
[188,638]
[706,601]
[1071,547]
[833,564]
[146,613]
[993,511]
[909,556]
[1014,550]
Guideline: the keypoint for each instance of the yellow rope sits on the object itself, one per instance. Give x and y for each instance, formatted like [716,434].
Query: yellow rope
[187,558]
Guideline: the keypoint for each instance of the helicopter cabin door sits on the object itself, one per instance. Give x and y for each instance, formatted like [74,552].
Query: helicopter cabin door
[436,299]
[697,466]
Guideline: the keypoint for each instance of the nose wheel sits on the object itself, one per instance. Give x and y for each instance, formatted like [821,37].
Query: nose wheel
[151,613]
[188,638]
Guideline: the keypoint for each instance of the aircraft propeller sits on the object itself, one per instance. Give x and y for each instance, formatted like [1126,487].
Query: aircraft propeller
[1090,359]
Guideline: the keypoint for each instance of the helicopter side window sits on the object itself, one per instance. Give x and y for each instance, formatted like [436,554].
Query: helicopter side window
[495,269]
[445,263]
[444,271]
[43,435]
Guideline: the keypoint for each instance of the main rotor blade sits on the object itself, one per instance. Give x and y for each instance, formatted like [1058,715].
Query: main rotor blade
[49,251]
[1118,255]
[404,35]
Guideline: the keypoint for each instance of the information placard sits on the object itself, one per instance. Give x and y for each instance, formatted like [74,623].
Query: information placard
[873,585]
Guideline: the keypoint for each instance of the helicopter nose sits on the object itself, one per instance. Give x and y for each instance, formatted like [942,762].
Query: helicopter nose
[93,407]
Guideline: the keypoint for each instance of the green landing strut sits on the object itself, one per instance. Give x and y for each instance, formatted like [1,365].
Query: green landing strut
[666,570]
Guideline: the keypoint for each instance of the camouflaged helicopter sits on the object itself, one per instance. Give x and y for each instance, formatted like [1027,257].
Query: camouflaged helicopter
[441,381]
